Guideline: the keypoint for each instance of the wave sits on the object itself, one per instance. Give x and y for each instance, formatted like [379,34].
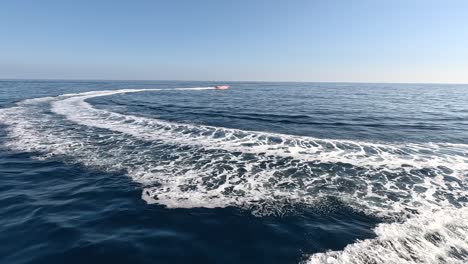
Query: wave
[188,165]
[439,237]
[79,111]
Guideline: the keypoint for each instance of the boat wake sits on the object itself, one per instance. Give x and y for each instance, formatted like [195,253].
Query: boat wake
[420,188]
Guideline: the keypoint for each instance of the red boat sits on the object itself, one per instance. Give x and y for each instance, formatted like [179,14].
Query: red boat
[221,87]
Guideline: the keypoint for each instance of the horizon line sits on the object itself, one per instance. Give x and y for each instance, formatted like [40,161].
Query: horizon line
[226,81]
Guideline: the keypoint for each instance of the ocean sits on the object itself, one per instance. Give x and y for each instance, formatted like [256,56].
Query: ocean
[178,172]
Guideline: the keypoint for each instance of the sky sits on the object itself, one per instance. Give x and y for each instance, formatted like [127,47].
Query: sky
[422,41]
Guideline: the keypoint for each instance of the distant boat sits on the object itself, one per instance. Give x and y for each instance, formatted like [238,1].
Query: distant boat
[221,87]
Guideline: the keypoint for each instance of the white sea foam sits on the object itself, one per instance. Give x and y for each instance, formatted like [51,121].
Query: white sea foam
[357,153]
[431,237]
[186,165]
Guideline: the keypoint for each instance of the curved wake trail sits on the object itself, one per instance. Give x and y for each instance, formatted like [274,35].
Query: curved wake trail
[186,165]
[432,237]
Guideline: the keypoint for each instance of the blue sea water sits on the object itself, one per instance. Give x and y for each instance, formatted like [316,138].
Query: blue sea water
[177,172]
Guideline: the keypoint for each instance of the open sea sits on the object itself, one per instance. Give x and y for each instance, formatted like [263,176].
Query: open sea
[178,172]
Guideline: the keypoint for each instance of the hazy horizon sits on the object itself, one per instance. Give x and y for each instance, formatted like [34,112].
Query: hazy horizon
[220,81]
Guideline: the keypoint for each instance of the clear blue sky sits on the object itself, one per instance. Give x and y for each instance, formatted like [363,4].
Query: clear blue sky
[285,40]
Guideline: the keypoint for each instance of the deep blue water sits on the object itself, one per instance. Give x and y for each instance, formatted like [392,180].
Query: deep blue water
[259,173]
